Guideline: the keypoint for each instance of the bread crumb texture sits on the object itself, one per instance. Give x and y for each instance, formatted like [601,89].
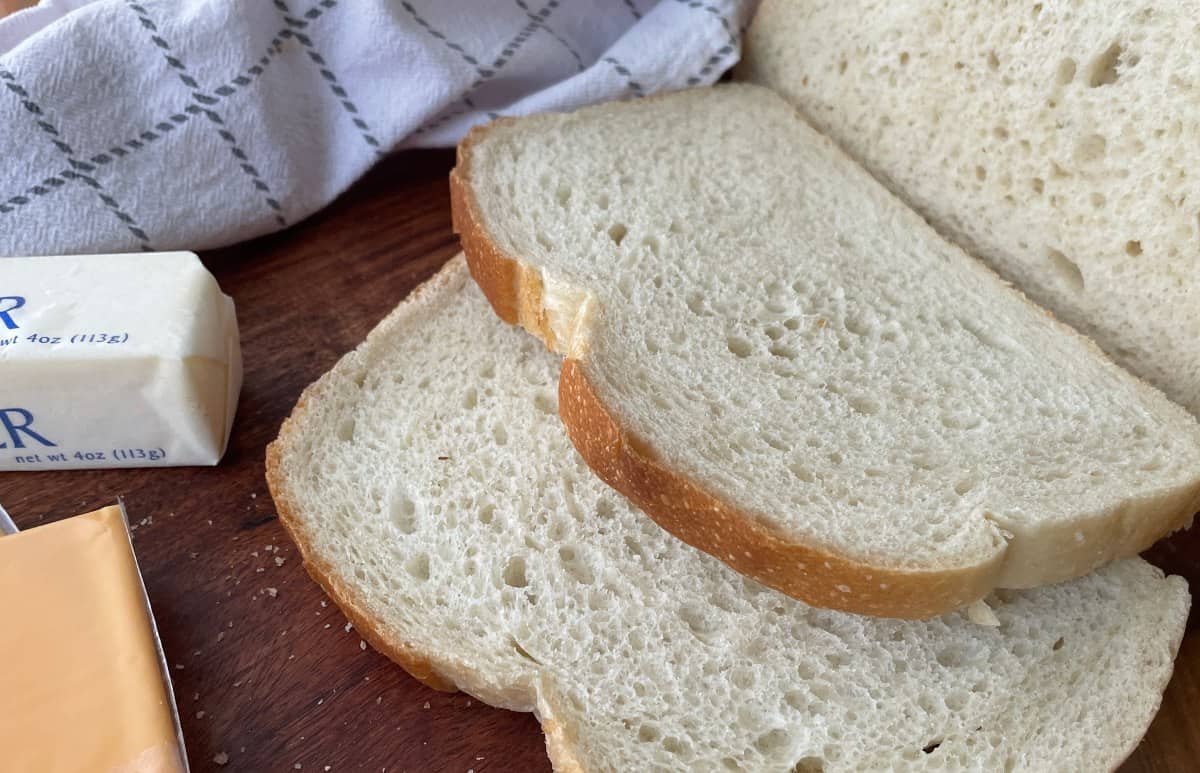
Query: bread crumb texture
[514,573]
[1059,141]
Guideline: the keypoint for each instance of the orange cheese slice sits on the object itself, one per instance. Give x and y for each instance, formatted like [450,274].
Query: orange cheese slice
[81,681]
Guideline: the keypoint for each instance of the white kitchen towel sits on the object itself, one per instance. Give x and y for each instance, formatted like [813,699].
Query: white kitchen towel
[187,124]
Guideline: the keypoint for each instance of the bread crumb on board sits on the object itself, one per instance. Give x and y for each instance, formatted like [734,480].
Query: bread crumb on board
[221,758]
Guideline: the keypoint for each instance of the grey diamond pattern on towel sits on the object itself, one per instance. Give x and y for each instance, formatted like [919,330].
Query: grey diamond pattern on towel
[131,125]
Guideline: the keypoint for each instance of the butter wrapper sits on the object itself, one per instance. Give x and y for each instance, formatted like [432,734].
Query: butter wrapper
[115,361]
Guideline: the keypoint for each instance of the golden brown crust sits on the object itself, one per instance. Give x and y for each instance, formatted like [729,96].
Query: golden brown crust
[813,575]
[514,291]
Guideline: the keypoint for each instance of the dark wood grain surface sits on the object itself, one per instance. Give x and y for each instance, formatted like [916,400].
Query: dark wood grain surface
[272,678]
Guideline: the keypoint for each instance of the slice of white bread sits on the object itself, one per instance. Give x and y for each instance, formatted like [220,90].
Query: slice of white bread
[434,495]
[1059,141]
[787,368]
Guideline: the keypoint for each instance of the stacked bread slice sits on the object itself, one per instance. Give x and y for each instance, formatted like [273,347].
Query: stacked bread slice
[432,490]
[770,356]
[787,368]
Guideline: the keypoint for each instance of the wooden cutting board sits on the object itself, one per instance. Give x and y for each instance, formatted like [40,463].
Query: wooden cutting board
[265,672]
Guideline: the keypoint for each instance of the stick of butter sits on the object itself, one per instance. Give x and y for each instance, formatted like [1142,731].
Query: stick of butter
[115,361]
[83,683]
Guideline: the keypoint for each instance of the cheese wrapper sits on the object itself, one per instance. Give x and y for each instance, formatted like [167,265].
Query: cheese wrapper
[115,361]
[83,683]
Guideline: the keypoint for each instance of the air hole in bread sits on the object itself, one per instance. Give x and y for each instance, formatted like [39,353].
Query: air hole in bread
[903,58]
[1066,269]
[514,573]
[345,430]
[802,472]
[772,741]
[809,765]
[674,746]
[864,405]
[544,241]
[857,326]
[956,700]
[602,201]
[1133,248]
[617,233]
[545,403]
[1058,644]
[739,346]
[932,746]
[1066,71]
[993,61]
[651,243]
[780,349]
[776,306]
[1103,71]
[1038,184]
[775,443]
[698,620]
[1091,148]
[403,512]
[1098,200]
[418,566]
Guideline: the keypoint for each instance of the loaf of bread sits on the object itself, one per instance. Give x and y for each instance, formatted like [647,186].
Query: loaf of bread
[435,496]
[1058,141]
[787,368]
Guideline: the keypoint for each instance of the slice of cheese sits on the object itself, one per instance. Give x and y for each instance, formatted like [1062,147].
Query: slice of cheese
[82,682]
[115,361]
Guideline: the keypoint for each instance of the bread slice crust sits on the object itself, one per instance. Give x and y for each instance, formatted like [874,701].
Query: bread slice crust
[811,573]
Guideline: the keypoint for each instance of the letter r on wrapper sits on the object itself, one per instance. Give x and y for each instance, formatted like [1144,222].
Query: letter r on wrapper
[9,304]
[18,421]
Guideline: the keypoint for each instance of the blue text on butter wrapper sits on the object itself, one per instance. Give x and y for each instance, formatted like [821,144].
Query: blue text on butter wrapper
[16,422]
[9,304]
